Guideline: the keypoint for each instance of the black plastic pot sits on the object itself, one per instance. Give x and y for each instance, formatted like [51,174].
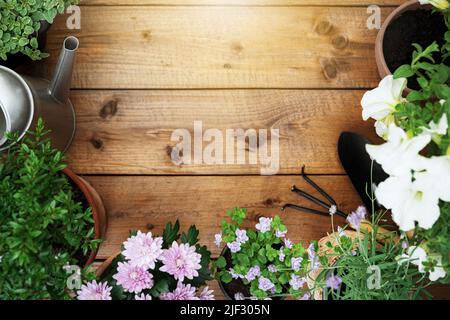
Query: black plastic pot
[16,60]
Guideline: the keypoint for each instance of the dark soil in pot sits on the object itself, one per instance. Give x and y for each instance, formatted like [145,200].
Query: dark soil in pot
[414,26]
[19,59]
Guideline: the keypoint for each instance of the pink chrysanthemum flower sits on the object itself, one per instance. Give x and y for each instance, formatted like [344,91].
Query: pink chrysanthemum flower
[143,297]
[181,261]
[94,291]
[133,278]
[206,294]
[182,292]
[143,250]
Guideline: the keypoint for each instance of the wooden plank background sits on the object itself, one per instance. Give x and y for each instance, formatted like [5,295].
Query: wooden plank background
[148,67]
[129,132]
[221,47]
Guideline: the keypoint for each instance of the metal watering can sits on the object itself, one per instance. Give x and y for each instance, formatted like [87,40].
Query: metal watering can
[23,100]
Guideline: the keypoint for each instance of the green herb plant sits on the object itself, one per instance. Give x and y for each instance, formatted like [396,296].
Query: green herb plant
[20,21]
[42,226]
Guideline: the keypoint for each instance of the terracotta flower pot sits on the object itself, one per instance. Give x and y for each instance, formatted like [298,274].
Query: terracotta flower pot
[383,69]
[96,203]
[105,265]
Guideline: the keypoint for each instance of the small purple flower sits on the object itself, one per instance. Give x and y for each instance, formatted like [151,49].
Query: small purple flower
[235,275]
[272,268]
[355,218]
[264,224]
[265,284]
[288,243]
[234,246]
[280,234]
[253,273]
[296,263]
[332,210]
[341,232]
[306,296]
[206,294]
[241,236]
[333,282]
[239,296]
[353,252]
[296,282]
[314,260]
[218,239]
[405,244]
[281,256]
[94,291]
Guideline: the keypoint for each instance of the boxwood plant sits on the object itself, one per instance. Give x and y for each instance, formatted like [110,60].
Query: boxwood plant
[43,227]
[20,21]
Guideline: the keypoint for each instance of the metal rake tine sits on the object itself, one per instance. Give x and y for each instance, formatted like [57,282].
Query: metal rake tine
[304,209]
[319,189]
[317,201]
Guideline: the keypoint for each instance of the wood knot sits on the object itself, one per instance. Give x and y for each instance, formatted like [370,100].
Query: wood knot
[237,47]
[270,202]
[150,226]
[329,69]
[110,109]
[147,35]
[227,66]
[339,42]
[97,143]
[323,27]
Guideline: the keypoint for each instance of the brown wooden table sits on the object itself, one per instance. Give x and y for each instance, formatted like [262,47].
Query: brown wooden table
[148,67]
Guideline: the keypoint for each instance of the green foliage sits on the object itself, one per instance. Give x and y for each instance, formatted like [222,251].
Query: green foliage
[42,226]
[164,282]
[354,259]
[414,114]
[21,21]
[261,250]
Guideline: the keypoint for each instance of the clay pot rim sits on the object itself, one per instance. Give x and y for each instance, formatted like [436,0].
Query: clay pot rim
[410,5]
[106,264]
[81,185]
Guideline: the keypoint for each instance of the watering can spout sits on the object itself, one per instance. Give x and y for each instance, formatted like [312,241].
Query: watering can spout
[60,85]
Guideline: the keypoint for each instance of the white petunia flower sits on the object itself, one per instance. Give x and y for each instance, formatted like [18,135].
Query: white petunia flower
[438,271]
[400,154]
[409,202]
[417,256]
[382,126]
[381,102]
[436,177]
[439,128]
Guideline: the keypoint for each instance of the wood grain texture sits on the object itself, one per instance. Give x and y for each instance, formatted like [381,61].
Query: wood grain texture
[244,2]
[150,47]
[148,203]
[129,132]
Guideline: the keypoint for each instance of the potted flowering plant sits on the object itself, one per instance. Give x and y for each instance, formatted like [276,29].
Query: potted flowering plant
[261,263]
[24,26]
[371,264]
[416,153]
[50,219]
[171,267]
[415,22]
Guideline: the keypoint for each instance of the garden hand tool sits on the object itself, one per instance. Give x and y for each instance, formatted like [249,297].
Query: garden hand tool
[332,208]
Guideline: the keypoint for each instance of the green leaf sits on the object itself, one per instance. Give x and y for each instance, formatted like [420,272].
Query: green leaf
[405,71]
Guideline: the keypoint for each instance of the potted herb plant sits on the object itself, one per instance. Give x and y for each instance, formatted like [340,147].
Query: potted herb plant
[262,263]
[372,264]
[50,219]
[418,23]
[171,267]
[23,29]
